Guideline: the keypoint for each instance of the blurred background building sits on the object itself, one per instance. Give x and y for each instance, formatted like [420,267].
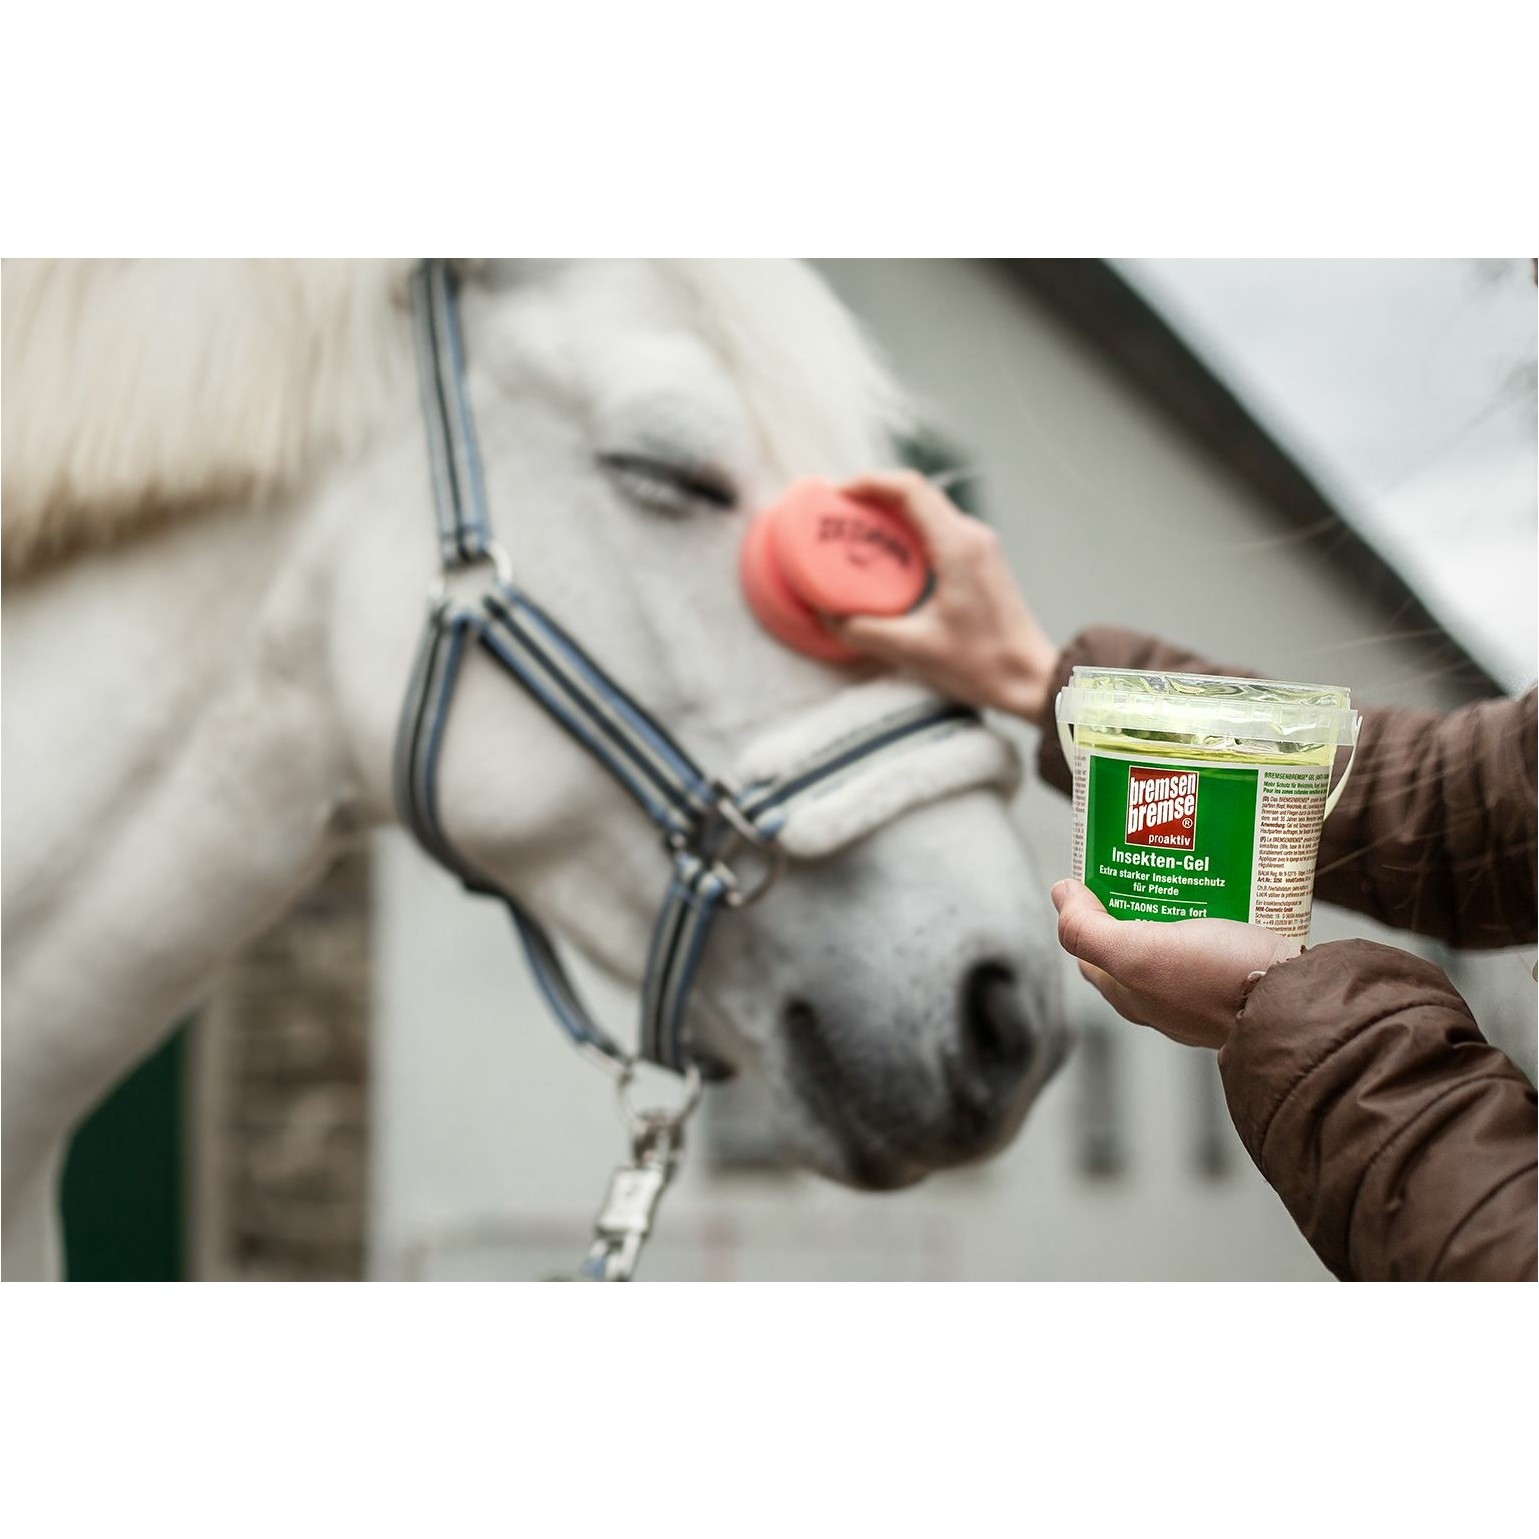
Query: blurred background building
[377,1091]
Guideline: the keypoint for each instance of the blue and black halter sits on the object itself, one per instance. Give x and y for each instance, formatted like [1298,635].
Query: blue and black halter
[704,822]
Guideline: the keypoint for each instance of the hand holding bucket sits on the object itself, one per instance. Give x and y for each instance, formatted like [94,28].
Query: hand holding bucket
[1199,797]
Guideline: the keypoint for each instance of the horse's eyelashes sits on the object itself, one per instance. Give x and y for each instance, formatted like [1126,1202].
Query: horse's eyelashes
[668,487]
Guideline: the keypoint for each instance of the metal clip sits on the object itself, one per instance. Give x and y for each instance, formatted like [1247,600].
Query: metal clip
[635,1190]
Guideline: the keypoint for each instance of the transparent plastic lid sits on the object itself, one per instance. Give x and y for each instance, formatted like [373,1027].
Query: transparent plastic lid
[1117,700]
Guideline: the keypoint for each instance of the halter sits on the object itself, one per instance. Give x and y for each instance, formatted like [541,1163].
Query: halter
[707,823]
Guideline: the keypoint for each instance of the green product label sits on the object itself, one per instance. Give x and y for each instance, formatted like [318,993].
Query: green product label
[1168,841]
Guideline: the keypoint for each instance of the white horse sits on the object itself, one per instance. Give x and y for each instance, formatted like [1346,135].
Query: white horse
[218,535]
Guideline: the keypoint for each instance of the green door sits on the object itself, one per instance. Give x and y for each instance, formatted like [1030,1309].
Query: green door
[124,1196]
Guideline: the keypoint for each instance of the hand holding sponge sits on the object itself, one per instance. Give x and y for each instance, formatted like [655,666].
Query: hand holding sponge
[819,552]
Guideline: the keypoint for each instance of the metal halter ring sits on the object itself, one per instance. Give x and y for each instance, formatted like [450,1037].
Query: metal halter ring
[707,843]
[637,1119]
[491,554]
[736,895]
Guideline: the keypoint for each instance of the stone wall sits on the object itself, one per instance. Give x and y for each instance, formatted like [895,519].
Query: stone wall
[280,1086]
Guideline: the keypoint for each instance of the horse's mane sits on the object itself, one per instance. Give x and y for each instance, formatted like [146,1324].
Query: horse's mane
[799,358]
[140,390]
[137,390]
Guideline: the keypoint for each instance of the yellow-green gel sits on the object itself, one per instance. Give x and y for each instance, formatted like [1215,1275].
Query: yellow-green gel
[1201,797]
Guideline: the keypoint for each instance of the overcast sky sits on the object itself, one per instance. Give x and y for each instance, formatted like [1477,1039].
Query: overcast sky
[1407,390]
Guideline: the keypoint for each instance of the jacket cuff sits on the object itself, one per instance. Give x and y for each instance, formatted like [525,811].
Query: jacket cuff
[1323,1064]
[1053,768]
[1301,1010]
[1398,1138]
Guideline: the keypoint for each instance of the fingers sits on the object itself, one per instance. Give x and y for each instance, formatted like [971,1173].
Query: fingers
[1184,978]
[964,551]
[928,508]
[1122,1000]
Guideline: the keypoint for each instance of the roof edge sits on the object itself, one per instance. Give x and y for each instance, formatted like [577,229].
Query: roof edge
[1106,312]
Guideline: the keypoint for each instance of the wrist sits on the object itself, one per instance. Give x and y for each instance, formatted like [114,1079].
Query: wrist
[1285,951]
[1030,667]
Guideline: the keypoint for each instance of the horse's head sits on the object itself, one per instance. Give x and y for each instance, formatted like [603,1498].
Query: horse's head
[896,990]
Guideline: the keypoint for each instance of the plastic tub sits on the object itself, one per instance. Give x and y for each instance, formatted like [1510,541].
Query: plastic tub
[1199,797]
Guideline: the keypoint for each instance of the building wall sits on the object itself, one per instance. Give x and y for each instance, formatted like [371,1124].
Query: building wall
[279,1116]
[493,1140]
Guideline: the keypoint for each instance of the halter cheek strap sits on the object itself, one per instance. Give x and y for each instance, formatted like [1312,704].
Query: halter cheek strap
[459,495]
[697,886]
[707,824]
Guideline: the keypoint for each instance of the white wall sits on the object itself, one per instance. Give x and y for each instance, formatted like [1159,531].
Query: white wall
[494,1140]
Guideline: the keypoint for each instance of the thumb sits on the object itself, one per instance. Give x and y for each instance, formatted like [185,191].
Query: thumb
[896,638]
[1085,929]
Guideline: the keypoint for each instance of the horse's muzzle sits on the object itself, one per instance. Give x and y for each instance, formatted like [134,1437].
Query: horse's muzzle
[896,1116]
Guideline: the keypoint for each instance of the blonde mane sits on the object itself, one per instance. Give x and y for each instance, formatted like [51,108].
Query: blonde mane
[799,357]
[140,390]
[137,391]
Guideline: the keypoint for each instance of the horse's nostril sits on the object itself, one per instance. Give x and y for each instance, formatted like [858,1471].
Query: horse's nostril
[996,1032]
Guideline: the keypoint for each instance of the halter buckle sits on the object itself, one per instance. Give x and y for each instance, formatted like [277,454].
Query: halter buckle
[718,835]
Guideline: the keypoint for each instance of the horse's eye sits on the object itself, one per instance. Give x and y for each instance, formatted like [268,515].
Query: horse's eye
[669,488]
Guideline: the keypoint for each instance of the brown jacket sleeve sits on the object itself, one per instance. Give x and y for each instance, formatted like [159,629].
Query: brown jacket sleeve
[1401,1142]
[1435,832]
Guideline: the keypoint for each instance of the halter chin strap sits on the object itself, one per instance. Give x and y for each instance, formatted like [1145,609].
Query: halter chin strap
[706,823]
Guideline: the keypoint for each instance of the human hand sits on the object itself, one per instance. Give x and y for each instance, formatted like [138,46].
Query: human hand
[973,637]
[1187,980]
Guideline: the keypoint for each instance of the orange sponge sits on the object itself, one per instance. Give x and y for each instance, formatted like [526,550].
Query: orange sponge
[816,551]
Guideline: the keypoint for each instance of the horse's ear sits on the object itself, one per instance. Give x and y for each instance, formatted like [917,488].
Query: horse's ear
[931,453]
